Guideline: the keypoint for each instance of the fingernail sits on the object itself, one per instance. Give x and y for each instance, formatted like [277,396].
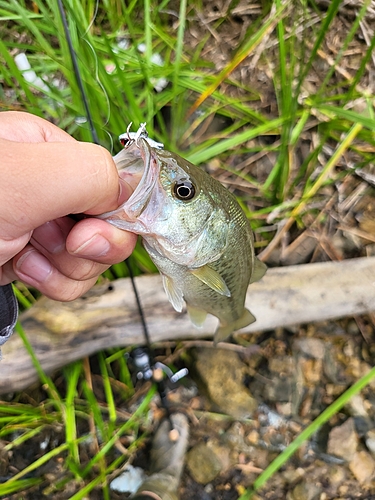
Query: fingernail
[50,236]
[34,265]
[96,246]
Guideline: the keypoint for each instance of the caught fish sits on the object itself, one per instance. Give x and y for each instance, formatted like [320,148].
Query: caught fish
[194,231]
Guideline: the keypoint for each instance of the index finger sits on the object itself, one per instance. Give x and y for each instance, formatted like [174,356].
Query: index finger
[41,182]
[19,126]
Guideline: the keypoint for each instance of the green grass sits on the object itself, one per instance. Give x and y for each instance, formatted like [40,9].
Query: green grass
[120,84]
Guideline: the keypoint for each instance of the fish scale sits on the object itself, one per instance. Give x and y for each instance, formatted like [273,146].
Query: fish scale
[194,230]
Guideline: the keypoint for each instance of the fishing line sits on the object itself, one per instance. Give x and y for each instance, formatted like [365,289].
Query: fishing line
[93,18]
[139,305]
[147,363]
[97,79]
[110,139]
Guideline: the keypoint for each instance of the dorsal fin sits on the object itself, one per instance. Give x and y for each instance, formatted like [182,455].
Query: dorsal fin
[259,270]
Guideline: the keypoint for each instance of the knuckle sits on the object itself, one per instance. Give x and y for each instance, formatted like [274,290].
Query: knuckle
[83,271]
[71,290]
[107,179]
[10,248]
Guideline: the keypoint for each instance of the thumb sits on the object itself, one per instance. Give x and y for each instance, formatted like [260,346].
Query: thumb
[53,179]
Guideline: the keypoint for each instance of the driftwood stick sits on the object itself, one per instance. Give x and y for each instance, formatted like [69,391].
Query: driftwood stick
[107,316]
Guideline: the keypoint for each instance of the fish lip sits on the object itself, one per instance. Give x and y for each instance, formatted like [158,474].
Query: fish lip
[139,199]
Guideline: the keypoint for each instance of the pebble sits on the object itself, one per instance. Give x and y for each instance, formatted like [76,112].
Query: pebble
[235,439]
[305,491]
[336,475]
[253,437]
[356,406]
[370,441]
[222,374]
[285,409]
[343,440]
[310,347]
[362,466]
[206,461]
[312,370]
[293,475]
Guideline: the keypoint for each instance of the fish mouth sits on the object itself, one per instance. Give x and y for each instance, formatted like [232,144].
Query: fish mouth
[128,158]
[140,197]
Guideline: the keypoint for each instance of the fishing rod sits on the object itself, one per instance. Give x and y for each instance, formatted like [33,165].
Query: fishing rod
[143,359]
[77,72]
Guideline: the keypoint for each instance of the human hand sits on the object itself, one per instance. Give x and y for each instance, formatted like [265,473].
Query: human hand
[46,175]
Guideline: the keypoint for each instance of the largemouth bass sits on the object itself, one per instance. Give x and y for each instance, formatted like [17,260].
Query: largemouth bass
[194,231]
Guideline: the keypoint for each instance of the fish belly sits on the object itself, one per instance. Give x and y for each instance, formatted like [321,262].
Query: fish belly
[181,285]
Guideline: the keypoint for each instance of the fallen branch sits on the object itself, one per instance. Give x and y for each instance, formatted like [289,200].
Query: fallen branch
[107,316]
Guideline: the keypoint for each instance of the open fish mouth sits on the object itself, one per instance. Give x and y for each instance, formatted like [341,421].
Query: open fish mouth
[139,157]
[141,195]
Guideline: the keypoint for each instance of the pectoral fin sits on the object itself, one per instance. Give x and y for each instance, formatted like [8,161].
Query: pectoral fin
[259,270]
[212,279]
[197,316]
[224,331]
[174,294]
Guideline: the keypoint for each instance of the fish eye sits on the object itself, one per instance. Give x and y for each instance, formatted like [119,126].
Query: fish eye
[184,190]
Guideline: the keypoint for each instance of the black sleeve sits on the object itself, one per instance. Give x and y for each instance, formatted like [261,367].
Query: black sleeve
[8,312]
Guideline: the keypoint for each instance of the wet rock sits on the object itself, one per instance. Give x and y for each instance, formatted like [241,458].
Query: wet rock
[362,466]
[205,461]
[343,440]
[222,374]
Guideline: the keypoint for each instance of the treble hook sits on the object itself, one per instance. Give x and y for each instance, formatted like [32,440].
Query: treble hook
[129,138]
